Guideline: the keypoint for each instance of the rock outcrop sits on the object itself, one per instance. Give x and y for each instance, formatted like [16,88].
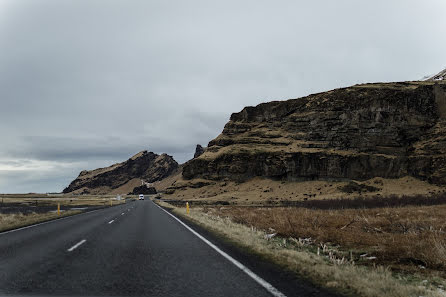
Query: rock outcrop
[146,166]
[199,150]
[143,190]
[384,130]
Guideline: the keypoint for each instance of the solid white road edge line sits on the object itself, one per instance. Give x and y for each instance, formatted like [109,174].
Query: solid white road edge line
[111,221]
[76,245]
[242,267]
[51,221]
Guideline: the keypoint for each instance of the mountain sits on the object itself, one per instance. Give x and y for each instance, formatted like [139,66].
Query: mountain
[123,177]
[441,76]
[387,130]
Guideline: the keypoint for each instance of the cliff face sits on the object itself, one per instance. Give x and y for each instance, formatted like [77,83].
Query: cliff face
[199,150]
[147,166]
[375,130]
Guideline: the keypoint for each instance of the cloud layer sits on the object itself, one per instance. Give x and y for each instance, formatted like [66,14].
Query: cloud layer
[87,83]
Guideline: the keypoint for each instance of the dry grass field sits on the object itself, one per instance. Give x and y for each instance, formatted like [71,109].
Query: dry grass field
[17,220]
[325,265]
[262,191]
[19,210]
[407,239]
[67,200]
[367,250]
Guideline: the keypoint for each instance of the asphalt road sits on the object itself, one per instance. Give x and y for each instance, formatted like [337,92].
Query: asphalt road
[135,249]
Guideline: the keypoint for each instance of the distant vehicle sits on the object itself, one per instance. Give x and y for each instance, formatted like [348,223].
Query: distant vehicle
[141,197]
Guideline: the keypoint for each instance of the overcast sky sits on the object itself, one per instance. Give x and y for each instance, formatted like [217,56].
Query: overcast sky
[87,83]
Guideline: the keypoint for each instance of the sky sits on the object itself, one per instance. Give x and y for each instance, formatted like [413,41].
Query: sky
[88,83]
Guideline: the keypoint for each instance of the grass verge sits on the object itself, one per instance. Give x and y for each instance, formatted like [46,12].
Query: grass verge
[408,239]
[18,220]
[322,265]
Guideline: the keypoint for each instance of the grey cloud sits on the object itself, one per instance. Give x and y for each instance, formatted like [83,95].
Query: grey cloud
[66,149]
[100,80]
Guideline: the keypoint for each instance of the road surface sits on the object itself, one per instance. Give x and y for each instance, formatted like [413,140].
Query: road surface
[134,249]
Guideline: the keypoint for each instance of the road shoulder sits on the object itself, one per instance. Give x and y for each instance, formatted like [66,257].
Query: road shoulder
[285,280]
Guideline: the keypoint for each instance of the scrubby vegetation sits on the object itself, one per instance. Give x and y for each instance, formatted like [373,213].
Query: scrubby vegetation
[410,239]
[17,220]
[330,246]
[353,187]
[367,202]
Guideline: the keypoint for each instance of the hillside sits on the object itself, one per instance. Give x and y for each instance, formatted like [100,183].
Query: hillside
[386,130]
[441,76]
[121,178]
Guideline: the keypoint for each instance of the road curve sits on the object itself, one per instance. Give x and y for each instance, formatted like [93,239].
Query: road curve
[134,249]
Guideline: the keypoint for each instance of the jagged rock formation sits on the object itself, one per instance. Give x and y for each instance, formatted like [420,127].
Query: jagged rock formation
[147,166]
[385,130]
[199,150]
[143,190]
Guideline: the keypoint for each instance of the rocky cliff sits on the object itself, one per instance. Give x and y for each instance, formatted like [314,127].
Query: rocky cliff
[146,166]
[385,130]
[199,150]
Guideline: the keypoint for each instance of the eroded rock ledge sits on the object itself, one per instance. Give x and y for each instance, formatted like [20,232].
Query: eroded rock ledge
[385,130]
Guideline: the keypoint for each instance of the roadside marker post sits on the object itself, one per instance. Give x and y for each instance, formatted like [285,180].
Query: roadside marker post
[111,202]
[58,209]
[187,207]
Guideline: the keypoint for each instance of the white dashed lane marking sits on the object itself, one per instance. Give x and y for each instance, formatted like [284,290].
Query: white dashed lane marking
[76,245]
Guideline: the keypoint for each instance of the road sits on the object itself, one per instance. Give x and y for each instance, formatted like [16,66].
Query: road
[134,249]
